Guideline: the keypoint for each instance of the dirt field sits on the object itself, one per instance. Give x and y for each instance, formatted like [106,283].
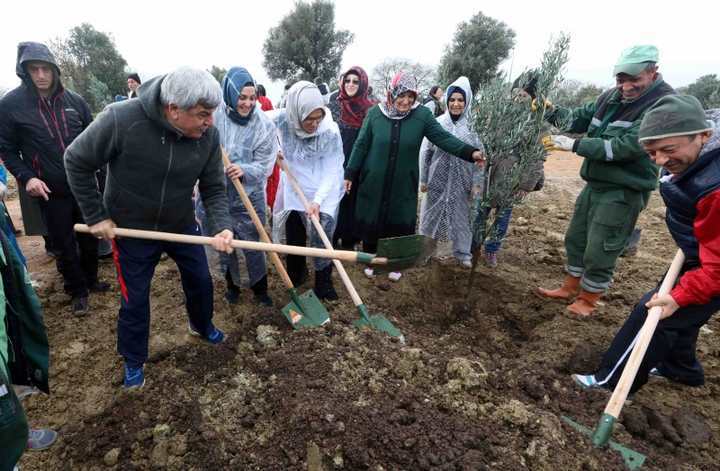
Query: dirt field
[469,391]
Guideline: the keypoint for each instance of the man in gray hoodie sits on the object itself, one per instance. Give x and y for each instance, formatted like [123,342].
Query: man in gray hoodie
[156,148]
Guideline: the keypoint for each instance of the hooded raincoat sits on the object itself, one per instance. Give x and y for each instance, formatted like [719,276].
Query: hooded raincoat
[445,210]
[251,145]
[316,161]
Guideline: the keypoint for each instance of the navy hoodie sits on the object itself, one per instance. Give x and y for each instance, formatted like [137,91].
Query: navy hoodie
[36,131]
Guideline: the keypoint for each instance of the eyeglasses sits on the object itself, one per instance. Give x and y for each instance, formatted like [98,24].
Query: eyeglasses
[356,82]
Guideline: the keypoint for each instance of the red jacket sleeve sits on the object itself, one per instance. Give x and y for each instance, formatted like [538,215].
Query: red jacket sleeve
[700,285]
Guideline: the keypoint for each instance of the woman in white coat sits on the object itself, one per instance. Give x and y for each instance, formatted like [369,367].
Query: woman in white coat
[311,145]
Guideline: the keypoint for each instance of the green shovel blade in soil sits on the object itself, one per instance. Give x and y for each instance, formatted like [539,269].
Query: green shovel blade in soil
[305,310]
[405,251]
[633,460]
[378,322]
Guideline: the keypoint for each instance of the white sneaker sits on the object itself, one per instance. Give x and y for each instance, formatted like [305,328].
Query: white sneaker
[22,391]
[466,263]
[369,272]
[394,275]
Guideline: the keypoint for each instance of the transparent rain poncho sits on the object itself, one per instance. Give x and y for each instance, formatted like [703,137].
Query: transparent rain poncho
[445,208]
[317,163]
[253,148]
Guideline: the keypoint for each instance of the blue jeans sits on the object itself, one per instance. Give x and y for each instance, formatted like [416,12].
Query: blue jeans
[493,242]
[135,261]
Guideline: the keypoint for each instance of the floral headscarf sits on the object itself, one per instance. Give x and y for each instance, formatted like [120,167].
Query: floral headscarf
[354,108]
[401,83]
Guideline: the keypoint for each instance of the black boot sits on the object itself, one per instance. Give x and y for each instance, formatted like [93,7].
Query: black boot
[232,293]
[323,284]
[260,290]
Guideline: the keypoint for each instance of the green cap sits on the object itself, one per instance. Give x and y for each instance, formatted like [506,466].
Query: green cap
[633,60]
[673,115]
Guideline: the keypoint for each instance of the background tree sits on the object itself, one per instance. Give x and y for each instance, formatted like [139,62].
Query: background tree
[91,65]
[574,93]
[477,49]
[706,89]
[217,72]
[383,73]
[305,44]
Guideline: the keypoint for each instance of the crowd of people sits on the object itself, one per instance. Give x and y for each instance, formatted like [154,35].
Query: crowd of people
[153,161]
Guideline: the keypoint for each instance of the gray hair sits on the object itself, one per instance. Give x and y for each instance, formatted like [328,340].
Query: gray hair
[187,87]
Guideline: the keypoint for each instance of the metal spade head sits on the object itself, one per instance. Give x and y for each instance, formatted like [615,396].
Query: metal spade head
[377,322]
[305,310]
[633,459]
[405,251]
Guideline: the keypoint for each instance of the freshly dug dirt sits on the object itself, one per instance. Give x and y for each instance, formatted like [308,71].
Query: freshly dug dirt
[481,382]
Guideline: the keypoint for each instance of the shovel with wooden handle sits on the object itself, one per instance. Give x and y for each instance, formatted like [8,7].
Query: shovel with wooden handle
[377,321]
[344,255]
[604,428]
[304,310]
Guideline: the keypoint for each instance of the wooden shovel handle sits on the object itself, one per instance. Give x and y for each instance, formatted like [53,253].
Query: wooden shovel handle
[318,227]
[258,223]
[345,255]
[617,400]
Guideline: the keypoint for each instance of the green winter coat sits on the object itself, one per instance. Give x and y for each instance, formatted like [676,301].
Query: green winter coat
[24,351]
[613,156]
[384,166]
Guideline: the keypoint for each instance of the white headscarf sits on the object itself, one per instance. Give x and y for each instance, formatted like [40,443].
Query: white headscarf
[303,98]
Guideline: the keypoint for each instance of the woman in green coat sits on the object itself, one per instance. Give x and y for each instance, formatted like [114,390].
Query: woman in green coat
[384,164]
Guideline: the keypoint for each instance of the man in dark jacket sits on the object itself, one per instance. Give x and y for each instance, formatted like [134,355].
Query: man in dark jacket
[38,121]
[677,136]
[618,173]
[156,148]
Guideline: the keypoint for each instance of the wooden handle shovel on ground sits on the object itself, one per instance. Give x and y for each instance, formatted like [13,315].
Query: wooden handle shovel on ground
[304,310]
[604,428]
[345,255]
[377,321]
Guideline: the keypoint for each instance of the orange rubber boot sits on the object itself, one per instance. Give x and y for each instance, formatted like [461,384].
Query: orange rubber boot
[584,304]
[569,288]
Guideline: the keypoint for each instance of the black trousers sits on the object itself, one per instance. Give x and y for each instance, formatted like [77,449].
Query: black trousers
[671,350]
[77,259]
[296,235]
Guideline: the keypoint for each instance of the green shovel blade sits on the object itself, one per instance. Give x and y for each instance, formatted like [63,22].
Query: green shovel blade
[305,310]
[377,322]
[405,251]
[633,460]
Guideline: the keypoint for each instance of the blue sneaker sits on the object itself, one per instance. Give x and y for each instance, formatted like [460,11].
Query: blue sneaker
[134,377]
[586,381]
[215,337]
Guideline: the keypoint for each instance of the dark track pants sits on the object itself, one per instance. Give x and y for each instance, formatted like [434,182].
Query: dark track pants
[671,350]
[78,269]
[135,260]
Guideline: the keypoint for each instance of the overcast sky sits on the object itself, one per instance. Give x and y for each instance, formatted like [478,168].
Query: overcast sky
[157,36]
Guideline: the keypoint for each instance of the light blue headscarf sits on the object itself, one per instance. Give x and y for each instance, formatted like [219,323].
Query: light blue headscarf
[235,79]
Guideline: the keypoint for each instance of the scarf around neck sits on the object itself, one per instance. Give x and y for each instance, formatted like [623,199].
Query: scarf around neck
[354,108]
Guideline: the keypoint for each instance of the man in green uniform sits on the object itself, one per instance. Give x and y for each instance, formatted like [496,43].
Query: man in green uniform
[619,176]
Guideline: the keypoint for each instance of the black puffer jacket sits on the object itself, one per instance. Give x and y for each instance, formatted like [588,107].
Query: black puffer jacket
[35,131]
[152,168]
